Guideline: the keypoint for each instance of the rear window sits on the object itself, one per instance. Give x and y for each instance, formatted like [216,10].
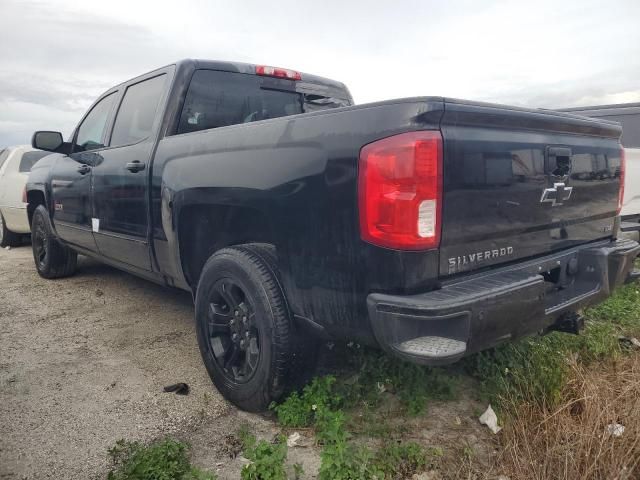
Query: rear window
[217,99]
[29,159]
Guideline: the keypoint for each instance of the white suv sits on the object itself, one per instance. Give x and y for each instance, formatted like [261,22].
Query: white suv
[15,165]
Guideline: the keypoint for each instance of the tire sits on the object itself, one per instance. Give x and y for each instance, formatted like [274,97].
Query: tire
[305,346]
[7,237]
[239,297]
[52,258]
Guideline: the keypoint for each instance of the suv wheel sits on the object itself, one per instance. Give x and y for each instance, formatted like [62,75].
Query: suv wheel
[7,237]
[244,327]
[52,258]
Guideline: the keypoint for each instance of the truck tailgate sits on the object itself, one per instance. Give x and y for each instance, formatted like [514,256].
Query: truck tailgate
[520,183]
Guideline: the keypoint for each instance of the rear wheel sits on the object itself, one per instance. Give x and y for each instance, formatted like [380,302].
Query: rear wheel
[7,237]
[244,327]
[52,258]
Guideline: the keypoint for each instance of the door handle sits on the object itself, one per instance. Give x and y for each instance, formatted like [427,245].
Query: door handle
[83,169]
[135,166]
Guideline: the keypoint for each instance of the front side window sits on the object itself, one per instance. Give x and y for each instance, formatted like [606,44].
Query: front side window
[137,112]
[91,131]
[217,99]
[29,159]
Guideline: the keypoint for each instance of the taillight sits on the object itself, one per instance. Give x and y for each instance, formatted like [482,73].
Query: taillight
[277,72]
[623,166]
[400,191]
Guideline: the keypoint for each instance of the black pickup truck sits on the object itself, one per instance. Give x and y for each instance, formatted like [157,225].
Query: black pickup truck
[430,227]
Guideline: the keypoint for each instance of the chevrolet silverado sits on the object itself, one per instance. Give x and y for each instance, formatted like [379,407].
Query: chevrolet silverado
[430,227]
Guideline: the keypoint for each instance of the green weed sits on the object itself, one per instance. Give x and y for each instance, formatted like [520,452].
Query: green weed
[163,460]
[299,410]
[402,460]
[340,459]
[267,459]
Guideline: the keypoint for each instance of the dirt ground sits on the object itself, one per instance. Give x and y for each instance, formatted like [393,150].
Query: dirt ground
[83,362]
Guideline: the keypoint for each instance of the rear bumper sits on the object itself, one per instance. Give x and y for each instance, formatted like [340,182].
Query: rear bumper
[16,218]
[478,311]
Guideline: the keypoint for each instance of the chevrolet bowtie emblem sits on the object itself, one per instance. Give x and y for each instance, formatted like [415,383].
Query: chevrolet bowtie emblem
[556,195]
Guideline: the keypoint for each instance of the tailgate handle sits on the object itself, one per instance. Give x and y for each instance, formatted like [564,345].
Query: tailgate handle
[558,161]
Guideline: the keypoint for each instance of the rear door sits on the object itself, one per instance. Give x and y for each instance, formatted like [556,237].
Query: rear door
[520,183]
[121,180]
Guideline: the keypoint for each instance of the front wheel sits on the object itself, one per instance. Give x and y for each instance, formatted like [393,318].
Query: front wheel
[52,258]
[244,327]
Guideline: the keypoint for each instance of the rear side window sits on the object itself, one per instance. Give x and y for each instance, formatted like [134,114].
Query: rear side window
[29,159]
[217,99]
[137,112]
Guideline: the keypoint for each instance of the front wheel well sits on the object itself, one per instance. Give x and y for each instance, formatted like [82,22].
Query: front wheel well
[205,229]
[34,198]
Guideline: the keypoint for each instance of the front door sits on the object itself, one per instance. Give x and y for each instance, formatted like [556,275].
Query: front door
[121,180]
[71,177]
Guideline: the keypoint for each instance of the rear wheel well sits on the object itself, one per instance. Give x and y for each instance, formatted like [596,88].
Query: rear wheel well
[205,229]
[34,198]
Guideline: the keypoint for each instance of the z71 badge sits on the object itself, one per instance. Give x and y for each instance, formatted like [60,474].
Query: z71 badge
[466,262]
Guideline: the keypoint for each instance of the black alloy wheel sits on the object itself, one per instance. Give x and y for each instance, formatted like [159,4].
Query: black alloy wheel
[245,330]
[233,332]
[53,259]
[39,243]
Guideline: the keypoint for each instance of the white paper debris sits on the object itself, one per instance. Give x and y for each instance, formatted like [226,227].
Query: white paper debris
[635,342]
[490,419]
[293,440]
[7,248]
[615,429]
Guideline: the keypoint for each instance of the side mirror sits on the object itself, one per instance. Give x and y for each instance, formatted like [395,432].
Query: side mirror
[48,141]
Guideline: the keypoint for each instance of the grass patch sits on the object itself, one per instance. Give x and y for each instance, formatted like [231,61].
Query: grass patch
[402,460]
[536,369]
[377,373]
[572,440]
[621,310]
[327,402]
[559,395]
[163,460]
[413,384]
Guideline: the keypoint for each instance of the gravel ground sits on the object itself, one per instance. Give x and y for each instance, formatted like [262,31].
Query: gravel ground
[82,363]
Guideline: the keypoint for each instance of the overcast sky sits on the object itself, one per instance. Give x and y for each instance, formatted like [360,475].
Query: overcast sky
[57,56]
